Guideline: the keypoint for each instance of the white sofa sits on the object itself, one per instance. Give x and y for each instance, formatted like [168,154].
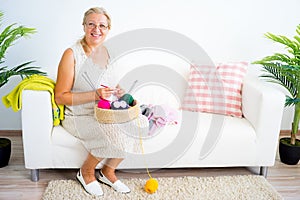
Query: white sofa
[214,141]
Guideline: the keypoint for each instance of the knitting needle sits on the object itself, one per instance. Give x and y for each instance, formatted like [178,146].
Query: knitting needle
[132,86]
[88,80]
[104,86]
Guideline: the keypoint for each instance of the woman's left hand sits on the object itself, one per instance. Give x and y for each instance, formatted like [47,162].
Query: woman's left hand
[119,91]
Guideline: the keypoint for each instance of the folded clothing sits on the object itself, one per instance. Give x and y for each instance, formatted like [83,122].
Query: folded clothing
[34,82]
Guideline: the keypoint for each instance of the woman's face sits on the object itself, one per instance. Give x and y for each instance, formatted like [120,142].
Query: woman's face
[96,29]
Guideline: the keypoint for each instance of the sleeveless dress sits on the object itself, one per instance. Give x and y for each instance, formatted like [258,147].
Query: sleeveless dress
[101,140]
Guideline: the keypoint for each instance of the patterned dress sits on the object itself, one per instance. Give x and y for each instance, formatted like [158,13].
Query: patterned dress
[101,140]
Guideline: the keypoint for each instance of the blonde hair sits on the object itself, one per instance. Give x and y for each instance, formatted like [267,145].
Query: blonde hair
[97,10]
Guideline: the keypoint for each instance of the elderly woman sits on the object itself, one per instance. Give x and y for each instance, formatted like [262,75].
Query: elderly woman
[102,141]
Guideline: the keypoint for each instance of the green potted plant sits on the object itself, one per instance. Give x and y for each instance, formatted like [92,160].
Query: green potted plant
[8,37]
[284,69]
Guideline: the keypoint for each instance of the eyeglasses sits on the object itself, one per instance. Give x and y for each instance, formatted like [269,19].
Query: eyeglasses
[91,25]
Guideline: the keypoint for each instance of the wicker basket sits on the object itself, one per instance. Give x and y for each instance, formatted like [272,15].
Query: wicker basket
[109,116]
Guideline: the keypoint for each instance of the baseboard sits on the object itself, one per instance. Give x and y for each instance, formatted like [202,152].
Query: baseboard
[287,132]
[10,132]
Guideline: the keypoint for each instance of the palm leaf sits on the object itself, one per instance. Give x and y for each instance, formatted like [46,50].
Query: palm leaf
[1,17]
[282,74]
[5,33]
[291,101]
[278,57]
[22,70]
[11,35]
[3,68]
[21,66]
[8,37]
[283,40]
[284,70]
[297,38]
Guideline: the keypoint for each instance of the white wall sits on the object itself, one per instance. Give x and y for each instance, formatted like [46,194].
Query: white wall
[229,30]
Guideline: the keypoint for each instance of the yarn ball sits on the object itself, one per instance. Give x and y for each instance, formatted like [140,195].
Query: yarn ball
[119,105]
[128,99]
[104,104]
[151,186]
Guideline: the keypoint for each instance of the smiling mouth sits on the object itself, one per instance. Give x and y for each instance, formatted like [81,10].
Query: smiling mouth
[96,34]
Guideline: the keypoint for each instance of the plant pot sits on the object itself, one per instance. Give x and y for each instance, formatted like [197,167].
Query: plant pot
[5,150]
[289,154]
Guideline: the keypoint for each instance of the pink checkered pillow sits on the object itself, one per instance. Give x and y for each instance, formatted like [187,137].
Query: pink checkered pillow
[216,89]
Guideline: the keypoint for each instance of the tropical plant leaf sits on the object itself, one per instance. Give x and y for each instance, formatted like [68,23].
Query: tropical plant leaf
[291,101]
[1,17]
[25,70]
[284,69]
[8,37]
[283,40]
[3,82]
[283,75]
[21,66]
[3,68]
[277,57]
[297,38]
[298,29]
[22,70]
[5,33]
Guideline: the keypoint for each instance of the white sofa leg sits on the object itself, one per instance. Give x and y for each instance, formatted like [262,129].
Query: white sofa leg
[263,171]
[35,175]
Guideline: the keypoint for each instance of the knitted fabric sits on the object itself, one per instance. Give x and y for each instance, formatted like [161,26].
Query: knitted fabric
[34,82]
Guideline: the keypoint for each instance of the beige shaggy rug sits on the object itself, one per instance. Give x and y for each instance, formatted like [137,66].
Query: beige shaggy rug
[181,188]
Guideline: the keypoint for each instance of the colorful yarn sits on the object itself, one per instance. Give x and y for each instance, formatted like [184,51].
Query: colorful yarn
[119,105]
[104,104]
[128,99]
[151,186]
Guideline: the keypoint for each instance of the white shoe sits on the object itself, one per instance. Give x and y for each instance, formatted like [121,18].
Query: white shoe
[93,188]
[117,186]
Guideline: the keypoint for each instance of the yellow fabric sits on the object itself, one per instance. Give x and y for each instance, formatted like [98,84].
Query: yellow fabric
[34,82]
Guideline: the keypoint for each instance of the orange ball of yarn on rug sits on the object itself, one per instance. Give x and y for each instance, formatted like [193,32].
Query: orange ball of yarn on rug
[151,186]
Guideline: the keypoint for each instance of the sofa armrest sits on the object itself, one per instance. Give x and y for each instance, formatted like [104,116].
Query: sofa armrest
[263,107]
[37,124]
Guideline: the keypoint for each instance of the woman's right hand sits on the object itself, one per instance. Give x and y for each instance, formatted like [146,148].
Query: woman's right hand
[105,93]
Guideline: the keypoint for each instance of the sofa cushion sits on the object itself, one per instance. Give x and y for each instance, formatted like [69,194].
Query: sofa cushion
[158,151]
[215,89]
[61,137]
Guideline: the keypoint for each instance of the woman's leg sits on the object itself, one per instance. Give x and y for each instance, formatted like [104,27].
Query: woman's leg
[108,172]
[109,168]
[88,168]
